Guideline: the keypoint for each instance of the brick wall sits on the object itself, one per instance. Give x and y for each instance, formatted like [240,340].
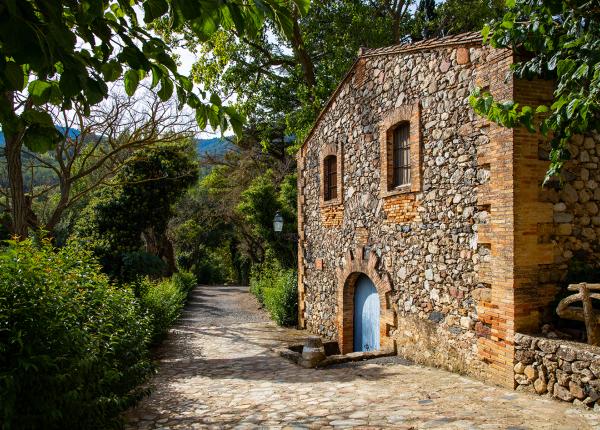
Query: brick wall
[401,208]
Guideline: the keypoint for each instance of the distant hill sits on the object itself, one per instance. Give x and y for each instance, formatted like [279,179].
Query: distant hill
[215,146]
[73,133]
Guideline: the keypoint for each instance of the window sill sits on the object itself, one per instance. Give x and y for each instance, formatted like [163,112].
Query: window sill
[333,202]
[404,189]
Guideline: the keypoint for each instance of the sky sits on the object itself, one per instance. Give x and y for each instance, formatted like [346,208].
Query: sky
[186,59]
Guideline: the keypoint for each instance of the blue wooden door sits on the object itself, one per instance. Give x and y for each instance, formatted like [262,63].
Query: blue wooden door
[366,315]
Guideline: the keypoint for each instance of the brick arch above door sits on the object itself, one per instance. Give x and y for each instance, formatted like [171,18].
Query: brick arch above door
[355,264]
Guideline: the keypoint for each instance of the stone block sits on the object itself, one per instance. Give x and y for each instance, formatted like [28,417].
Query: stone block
[519,368]
[540,386]
[562,377]
[530,372]
[576,390]
[547,346]
[436,316]
[566,353]
[562,393]
[579,366]
[595,368]
[462,55]
[525,356]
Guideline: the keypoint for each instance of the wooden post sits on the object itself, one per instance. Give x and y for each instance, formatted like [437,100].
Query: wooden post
[588,315]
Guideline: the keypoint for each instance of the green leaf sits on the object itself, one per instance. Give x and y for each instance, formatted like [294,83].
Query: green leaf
[215,99]
[112,71]
[564,66]
[166,89]
[553,60]
[32,116]
[95,91]
[571,107]
[186,83]
[201,116]
[41,139]
[14,76]
[154,9]
[510,3]
[236,121]
[581,71]
[69,83]
[193,101]
[132,79]
[237,18]
[157,74]
[213,117]
[40,92]
[303,6]
[189,10]
[485,32]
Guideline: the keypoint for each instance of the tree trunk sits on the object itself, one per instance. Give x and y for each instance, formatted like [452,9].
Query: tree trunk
[396,17]
[168,254]
[18,204]
[150,241]
[302,54]
[65,191]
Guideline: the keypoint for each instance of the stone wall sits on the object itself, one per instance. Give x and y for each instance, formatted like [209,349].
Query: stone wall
[575,227]
[425,240]
[564,370]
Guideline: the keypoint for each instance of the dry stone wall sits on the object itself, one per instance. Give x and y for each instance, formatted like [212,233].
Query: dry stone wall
[564,370]
[576,207]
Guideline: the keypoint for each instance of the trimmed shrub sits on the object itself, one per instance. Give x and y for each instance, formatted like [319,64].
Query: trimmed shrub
[264,276]
[73,347]
[185,281]
[282,299]
[277,290]
[163,302]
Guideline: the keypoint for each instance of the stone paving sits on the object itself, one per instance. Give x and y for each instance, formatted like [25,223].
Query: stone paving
[216,370]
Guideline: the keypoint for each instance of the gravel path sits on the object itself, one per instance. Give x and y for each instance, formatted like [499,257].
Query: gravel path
[217,371]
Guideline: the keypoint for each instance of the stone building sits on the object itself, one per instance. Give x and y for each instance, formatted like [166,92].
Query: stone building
[428,222]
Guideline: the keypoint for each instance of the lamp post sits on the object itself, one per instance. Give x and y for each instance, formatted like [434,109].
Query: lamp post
[278,222]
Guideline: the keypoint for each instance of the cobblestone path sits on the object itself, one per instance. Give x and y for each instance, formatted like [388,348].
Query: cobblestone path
[217,371]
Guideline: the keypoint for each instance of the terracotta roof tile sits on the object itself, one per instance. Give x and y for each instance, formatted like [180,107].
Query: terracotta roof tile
[422,45]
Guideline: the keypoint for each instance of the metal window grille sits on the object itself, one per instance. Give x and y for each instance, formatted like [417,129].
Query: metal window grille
[401,156]
[330,177]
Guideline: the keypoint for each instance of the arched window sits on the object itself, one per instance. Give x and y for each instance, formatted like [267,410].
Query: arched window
[401,155]
[330,177]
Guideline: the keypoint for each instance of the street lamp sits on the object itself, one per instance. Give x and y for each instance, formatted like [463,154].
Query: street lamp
[278,222]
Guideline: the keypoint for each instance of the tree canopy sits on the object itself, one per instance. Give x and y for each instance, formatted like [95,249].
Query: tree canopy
[554,39]
[65,51]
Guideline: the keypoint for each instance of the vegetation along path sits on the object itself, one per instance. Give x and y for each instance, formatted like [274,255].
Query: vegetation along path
[217,371]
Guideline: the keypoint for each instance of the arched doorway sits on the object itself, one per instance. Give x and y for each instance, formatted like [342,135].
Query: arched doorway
[366,315]
[359,265]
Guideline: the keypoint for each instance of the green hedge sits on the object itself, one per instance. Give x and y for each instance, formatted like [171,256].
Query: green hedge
[185,281]
[277,290]
[73,347]
[163,300]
